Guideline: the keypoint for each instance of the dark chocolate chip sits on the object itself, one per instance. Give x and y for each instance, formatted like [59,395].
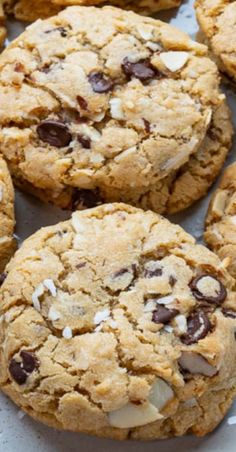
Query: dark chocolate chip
[81,265]
[56,133]
[229,313]
[61,30]
[120,272]
[85,141]
[19,67]
[146,125]
[142,69]
[163,314]
[148,273]
[83,199]
[17,372]
[99,82]
[29,361]
[2,278]
[82,102]
[172,281]
[218,295]
[198,326]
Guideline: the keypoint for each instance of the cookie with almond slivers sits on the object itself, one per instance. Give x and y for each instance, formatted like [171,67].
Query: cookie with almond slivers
[7,218]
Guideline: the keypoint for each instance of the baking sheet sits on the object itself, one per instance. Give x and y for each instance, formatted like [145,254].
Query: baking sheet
[18,432]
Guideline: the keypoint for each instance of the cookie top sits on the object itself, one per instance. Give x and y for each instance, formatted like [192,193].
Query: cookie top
[22,9]
[106,73]
[217,19]
[220,232]
[107,318]
[7,218]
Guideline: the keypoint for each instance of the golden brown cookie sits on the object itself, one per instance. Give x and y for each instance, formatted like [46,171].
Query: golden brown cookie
[217,22]
[115,323]
[220,234]
[7,219]
[104,112]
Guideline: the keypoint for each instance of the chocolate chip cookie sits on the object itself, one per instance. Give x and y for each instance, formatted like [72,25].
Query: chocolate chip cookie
[22,9]
[7,221]
[100,104]
[220,234]
[115,323]
[217,23]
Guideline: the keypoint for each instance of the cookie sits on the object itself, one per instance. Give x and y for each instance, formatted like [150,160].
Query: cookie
[22,9]
[105,110]
[220,234]
[7,221]
[216,19]
[2,25]
[115,323]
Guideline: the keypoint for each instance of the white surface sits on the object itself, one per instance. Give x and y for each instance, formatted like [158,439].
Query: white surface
[25,435]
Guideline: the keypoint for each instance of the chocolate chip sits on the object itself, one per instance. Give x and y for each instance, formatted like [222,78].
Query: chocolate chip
[2,278]
[85,141]
[17,372]
[56,133]
[229,313]
[146,125]
[99,82]
[163,314]
[120,272]
[208,288]
[198,326]
[142,69]
[149,273]
[82,102]
[172,281]
[21,370]
[85,199]
[19,67]
[81,265]
[29,361]
[61,30]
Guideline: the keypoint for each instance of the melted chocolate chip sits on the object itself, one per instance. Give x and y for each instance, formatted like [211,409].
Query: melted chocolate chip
[120,272]
[142,69]
[219,293]
[21,370]
[99,82]
[29,361]
[85,199]
[85,141]
[17,372]
[146,125]
[163,314]
[198,326]
[82,102]
[2,278]
[148,273]
[229,313]
[56,133]
[172,281]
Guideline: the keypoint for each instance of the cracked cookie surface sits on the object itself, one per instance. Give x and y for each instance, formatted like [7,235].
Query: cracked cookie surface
[220,234]
[107,109]
[7,218]
[217,20]
[115,323]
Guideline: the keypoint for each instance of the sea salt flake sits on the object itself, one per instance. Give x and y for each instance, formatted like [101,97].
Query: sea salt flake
[174,60]
[100,316]
[67,333]
[181,323]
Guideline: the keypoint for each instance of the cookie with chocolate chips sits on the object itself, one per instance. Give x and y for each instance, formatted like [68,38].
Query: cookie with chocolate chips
[7,218]
[99,112]
[220,233]
[113,324]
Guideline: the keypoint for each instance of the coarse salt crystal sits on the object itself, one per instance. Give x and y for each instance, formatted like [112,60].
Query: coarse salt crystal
[67,333]
[49,284]
[100,316]
[53,314]
[181,323]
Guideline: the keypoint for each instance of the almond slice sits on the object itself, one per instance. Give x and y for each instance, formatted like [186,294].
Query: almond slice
[131,415]
[174,60]
[161,393]
[196,364]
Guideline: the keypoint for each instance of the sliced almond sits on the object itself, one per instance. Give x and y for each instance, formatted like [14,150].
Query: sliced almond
[174,60]
[131,415]
[160,394]
[219,202]
[196,364]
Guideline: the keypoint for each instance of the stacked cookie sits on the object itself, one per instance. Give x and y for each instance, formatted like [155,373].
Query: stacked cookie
[115,322]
